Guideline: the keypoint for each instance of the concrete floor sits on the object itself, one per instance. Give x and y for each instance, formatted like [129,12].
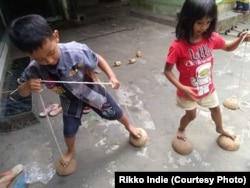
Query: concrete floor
[149,100]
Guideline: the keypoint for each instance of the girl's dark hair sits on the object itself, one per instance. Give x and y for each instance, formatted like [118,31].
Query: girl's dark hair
[193,10]
[28,33]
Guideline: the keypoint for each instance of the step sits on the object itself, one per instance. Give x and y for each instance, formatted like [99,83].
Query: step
[100,12]
[226,19]
[229,18]
[160,18]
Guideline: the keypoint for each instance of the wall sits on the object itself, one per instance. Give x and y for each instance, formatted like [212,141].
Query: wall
[171,7]
[158,6]
[3,44]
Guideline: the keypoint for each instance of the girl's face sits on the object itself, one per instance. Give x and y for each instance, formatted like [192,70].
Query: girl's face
[200,26]
[49,54]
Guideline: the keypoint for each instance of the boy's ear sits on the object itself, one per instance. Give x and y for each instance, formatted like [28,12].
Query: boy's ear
[56,35]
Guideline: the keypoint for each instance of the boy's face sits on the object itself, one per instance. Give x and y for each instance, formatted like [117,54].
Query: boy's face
[49,53]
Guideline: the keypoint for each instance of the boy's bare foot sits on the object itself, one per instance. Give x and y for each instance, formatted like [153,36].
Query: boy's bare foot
[136,133]
[66,158]
[181,135]
[227,134]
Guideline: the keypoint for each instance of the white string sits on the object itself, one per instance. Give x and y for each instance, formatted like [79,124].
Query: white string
[75,82]
[68,82]
[129,115]
[230,59]
[238,94]
[43,104]
[241,68]
[51,128]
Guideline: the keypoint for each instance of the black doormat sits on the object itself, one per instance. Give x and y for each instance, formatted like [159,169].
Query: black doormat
[15,111]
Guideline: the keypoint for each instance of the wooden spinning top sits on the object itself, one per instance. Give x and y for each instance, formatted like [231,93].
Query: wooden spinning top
[227,143]
[139,142]
[231,104]
[138,54]
[181,146]
[64,171]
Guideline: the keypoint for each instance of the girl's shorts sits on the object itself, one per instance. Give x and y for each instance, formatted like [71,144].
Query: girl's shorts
[209,101]
[110,110]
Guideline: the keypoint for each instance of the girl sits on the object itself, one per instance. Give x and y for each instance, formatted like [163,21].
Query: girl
[191,52]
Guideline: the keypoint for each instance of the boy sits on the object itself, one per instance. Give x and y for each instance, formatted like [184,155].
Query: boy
[65,62]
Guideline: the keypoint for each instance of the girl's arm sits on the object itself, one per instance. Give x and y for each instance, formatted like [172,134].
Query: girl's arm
[188,91]
[170,75]
[232,45]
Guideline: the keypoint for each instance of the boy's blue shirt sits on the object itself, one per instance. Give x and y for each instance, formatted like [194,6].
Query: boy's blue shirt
[73,56]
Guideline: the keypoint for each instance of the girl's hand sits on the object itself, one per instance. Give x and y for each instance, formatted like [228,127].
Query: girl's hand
[190,93]
[115,83]
[245,35]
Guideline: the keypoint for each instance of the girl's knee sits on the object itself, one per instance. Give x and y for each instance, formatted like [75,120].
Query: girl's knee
[215,110]
[191,115]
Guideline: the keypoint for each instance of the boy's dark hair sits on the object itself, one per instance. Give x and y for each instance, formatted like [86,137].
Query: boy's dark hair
[193,10]
[28,33]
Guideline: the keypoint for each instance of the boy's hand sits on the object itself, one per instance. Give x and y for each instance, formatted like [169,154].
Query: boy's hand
[115,83]
[34,85]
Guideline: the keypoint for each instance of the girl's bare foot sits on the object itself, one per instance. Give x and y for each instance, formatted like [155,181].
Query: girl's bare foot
[227,134]
[66,158]
[181,135]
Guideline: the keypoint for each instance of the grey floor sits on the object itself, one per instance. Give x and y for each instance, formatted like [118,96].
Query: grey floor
[149,100]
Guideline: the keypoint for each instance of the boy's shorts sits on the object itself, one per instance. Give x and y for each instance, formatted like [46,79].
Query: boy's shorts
[110,110]
[209,101]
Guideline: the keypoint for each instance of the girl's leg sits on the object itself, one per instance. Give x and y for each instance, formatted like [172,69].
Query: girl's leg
[217,118]
[185,120]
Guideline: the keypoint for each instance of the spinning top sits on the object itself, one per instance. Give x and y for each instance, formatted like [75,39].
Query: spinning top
[138,54]
[139,142]
[181,146]
[227,143]
[64,171]
[231,104]
[117,63]
[132,61]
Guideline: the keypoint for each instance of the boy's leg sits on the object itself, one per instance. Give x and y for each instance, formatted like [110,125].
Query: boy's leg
[130,128]
[112,111]
[217,118]
[71,125]
[68,156]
